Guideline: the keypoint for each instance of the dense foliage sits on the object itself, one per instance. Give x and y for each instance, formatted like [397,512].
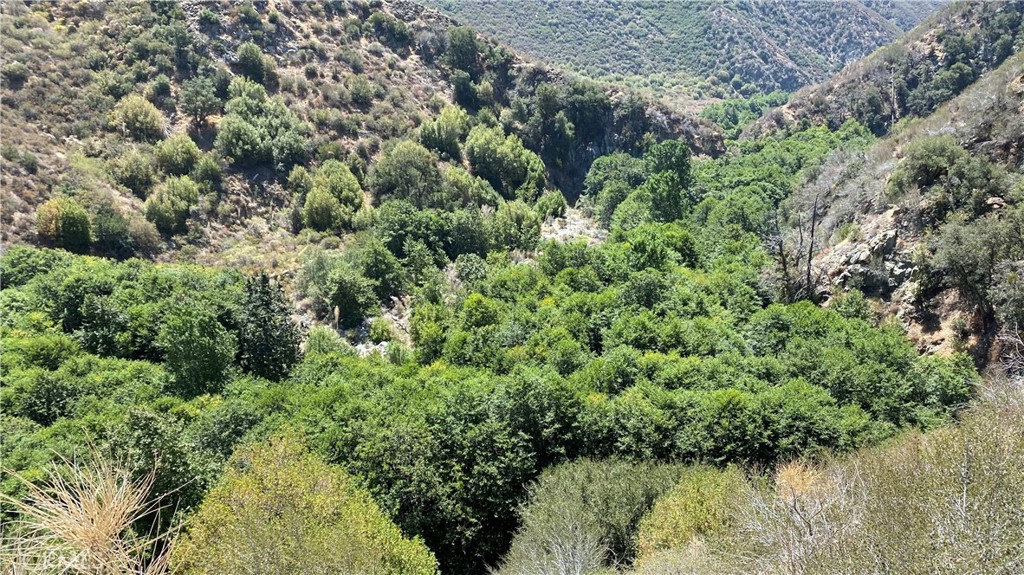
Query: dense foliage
[634,349]
[939,502]
[466,385]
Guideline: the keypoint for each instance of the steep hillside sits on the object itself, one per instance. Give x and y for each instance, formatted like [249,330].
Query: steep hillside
[106,103]
[715,49]
[928,219]
[305,275]
[914,75]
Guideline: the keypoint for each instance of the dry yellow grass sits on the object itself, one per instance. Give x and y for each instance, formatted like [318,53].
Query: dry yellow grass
[79,520]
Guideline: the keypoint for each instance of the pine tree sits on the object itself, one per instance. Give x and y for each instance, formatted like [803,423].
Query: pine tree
[268,340]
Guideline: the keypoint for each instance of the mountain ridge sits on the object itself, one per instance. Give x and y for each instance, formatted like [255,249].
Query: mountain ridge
[772,45]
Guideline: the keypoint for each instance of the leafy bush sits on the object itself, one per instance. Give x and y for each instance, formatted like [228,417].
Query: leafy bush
[169,205]
[259,130]
[134,170]
[350,296]
[361,90]
[505,163]
[251,61]
[407,171]
[138,119]
[177,155]
[300,182]
[949,179]
[584,515]
[15,73]
[323,212]
[551,205]
[199,99]
[62,223]
[698,507]
[111,235]
[445,134]
[324,340]
[284,510]
[380,330]
[381,266]
[514,226]
[389,29]
[459,188]
[207,172]
[333,199]
[241,141]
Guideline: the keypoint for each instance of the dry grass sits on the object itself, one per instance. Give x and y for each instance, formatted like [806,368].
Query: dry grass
[80,521]
[946,501]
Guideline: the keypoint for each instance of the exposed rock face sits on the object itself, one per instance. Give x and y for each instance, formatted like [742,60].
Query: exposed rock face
[880,263]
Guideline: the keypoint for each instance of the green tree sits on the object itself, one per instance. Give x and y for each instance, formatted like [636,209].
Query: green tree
[322,211]
[408,171]
[197,349]
[169,205]
[251,61]
[177,155]
[667,196]
[384,269]
[445,134]
[111,233]
[257,129]
[459,188]
[669,156]
[505,163]
[279,509]
[207,172]
[350,296]
[361,90]
[300,181]
[138,119]
[515,226]
[134,170]
[62,223]
[334,197]
[463,52]
[241,141]
[199,99]
[268,340]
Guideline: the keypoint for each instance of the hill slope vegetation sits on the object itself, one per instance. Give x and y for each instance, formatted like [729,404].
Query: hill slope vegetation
[281,268]
[716,49]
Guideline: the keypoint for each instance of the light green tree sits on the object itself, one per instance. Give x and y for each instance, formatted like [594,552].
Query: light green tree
[279,509]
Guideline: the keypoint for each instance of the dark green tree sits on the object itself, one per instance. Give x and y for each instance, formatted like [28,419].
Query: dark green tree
[199,99]
[351,296]
[251,62]
[670,156]
[381,266]
[197,349]
[268,340]
[409,172]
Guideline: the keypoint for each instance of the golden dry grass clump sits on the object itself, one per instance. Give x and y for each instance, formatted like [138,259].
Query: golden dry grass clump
[80,520]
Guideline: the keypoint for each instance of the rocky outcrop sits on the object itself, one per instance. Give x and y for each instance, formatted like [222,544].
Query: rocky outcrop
[879,260]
